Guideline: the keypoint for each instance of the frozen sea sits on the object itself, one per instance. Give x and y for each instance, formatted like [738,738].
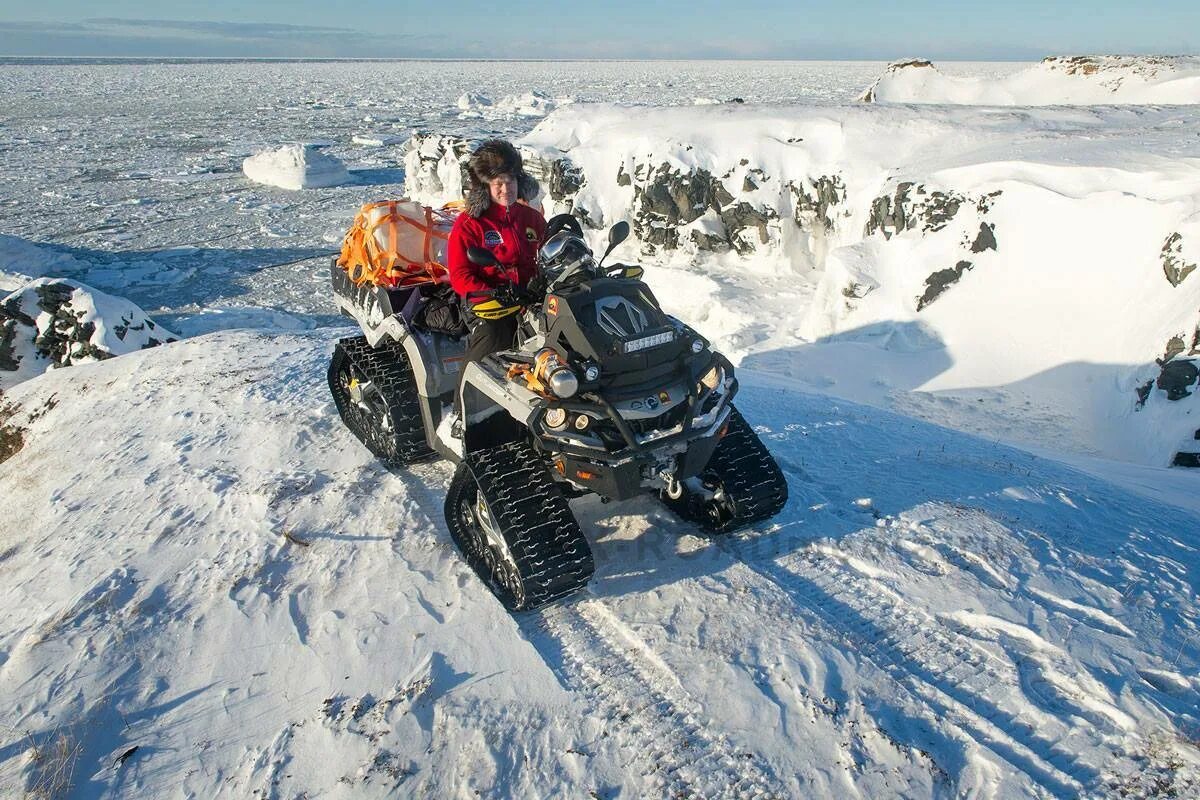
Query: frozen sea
[136,165]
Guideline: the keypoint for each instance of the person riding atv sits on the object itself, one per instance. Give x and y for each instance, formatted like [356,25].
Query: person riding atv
[496,220]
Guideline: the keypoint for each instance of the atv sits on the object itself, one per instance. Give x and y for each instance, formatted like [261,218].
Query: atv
[603,393]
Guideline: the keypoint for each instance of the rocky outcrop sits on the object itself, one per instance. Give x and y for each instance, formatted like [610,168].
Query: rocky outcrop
[57,323]
[1174,266]
[912,207]
[666,199]
[940,281]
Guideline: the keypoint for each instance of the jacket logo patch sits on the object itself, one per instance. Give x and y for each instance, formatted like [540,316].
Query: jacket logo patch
[492,238]
[552,306]
[530,235]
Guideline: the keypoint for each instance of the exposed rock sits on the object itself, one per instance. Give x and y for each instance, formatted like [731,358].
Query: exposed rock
[815,198]
[709,242]
[941,280]
[856,291]
[891,215]
[1174,266]
[748,184]
[1186,458]
[1175,346]
[986,240]
[623,178]
[1183,459]
[665,199]
[1143,393]
[911,206]
[939,210]
[743,216]
[1177,378]
[563,179]
[12,438]
[58,323]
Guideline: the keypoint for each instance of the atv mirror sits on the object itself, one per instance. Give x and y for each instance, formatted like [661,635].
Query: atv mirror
[616,234]
[481,256]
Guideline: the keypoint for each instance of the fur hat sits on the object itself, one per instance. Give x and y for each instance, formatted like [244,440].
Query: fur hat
[494,158]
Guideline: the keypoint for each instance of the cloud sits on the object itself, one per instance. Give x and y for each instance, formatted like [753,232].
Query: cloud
[111,37]
[221,30]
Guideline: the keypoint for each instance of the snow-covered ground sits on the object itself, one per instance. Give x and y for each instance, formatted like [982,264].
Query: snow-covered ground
[219,575]
[202,564]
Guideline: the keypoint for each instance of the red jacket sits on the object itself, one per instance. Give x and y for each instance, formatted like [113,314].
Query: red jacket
[513,234]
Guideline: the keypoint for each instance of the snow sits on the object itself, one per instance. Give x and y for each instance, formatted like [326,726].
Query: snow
[1064,80]
[296,166]
[221,576]
[202,563]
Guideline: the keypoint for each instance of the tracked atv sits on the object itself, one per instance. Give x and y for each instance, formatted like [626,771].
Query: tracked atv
[603,393]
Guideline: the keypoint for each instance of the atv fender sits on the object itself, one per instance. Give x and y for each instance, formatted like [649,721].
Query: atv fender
[495,410]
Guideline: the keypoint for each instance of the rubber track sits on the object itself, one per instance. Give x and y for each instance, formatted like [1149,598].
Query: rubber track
[388,369]
[672,748]
[552,555]
[750,476]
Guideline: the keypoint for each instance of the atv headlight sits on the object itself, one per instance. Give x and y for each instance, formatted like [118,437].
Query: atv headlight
[591,373]
[697,345]
[555,418]
[564,383]
[712,377]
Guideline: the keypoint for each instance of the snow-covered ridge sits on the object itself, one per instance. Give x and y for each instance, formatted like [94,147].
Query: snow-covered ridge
[885,230]
[1057,80]
[211,589]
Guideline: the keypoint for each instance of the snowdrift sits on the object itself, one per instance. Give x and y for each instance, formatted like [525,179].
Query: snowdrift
[296,166]
[1050,296]
[216,592]
[1058,80]
[53,322]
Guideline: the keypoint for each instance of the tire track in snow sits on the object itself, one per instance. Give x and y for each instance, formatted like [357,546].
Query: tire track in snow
[949,674]
[651,715]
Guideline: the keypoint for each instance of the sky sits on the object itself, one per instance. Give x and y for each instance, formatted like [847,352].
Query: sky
[770,29]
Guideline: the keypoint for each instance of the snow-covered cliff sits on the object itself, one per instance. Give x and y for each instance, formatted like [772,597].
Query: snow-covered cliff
[1057,80]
